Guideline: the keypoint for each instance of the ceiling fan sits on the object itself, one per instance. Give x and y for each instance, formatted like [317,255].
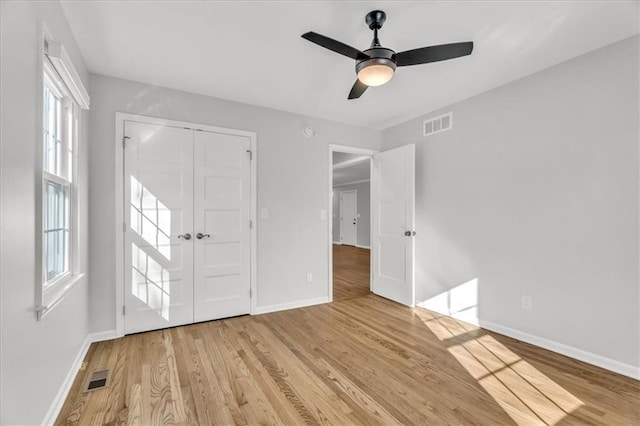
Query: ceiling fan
[375,66]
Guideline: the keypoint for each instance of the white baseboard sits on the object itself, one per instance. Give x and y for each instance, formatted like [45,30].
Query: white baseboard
[290,305]
[61,396]
[570,351]
[588,357]
[338,243]
[363,247]
[103,335]
[464,316]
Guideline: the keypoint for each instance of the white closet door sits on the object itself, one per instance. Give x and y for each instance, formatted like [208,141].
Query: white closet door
[393,224]
[348,217]
[158,187]
[222,212]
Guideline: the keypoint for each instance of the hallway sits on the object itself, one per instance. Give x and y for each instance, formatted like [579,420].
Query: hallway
[350,272]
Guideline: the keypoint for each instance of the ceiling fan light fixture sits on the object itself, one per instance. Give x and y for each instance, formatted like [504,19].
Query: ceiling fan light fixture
[376,65]
[375,71]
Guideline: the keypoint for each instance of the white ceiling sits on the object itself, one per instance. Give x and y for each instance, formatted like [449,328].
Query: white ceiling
[252,51]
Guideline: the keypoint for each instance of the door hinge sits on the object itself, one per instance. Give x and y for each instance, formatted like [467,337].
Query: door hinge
[124,310]
[124,226]
[250,223]
[124,141]
[250,292]
[250,154]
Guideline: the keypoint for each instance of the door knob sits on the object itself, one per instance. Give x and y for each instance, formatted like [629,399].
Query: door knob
[186,236]
[200,235]
[409,233]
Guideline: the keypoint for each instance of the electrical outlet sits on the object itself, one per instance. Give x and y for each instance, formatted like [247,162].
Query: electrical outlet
[527,302]
[264,213]
[309,277]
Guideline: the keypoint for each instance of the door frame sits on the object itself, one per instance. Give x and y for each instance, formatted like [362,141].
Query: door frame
[349,150]
[355,243]
[119,203]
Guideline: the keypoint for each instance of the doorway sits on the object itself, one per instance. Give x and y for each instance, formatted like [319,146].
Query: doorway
[350,260]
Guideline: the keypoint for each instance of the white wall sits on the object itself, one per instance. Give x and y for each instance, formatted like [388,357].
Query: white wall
[35,356]
[292,185]
[363,226]
[535,191]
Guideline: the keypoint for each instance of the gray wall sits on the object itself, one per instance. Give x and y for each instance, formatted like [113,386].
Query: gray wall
[292,184]
[363,229]
[36,356]
[535,191]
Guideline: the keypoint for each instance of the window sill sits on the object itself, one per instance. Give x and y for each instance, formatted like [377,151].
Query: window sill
[53,294]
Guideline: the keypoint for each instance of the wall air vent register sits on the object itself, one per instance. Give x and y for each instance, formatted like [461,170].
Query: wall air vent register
[438,124]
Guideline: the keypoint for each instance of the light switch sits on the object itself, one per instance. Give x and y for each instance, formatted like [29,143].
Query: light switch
[264,213]
[323,215]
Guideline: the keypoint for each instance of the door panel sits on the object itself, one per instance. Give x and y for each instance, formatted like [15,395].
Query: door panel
[158,208]
[393,200]
[348,217]
[222,209]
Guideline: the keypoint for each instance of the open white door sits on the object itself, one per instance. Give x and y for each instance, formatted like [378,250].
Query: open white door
[393,193]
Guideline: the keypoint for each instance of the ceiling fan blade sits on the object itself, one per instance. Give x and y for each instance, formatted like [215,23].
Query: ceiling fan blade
[441,52]
[357,90]
[335,45]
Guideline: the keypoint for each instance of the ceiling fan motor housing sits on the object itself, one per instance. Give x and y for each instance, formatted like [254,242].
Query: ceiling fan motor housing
[377,56]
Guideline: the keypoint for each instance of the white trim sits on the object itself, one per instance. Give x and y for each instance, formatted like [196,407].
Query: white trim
[363,247]
[351,183]
[119,222]
[49,294]
[579,354]
[120,118]
[103,335]
[338,243]
[352,150]
[64,66]
[53,294]
[350,162]
[61,396]
[460,316]
[253,213]
[588,357]
[290,305]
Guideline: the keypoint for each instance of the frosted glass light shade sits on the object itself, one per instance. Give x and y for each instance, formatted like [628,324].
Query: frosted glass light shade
[375,74]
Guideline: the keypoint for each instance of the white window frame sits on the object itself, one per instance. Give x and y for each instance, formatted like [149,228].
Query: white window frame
[68,140]
[59,75]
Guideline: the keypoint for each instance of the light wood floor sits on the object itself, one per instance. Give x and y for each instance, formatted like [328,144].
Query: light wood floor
[350,272]
[363,360]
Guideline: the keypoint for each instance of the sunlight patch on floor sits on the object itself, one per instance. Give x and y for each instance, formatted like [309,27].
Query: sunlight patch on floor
[524,393]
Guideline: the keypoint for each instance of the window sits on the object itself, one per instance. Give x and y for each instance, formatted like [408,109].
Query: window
[58,175]
[63,96]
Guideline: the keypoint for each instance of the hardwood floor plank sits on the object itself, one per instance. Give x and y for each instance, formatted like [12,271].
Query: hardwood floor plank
[134,415]
[351,269]
[362,360]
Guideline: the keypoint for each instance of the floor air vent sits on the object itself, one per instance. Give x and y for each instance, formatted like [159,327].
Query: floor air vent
[97,380]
